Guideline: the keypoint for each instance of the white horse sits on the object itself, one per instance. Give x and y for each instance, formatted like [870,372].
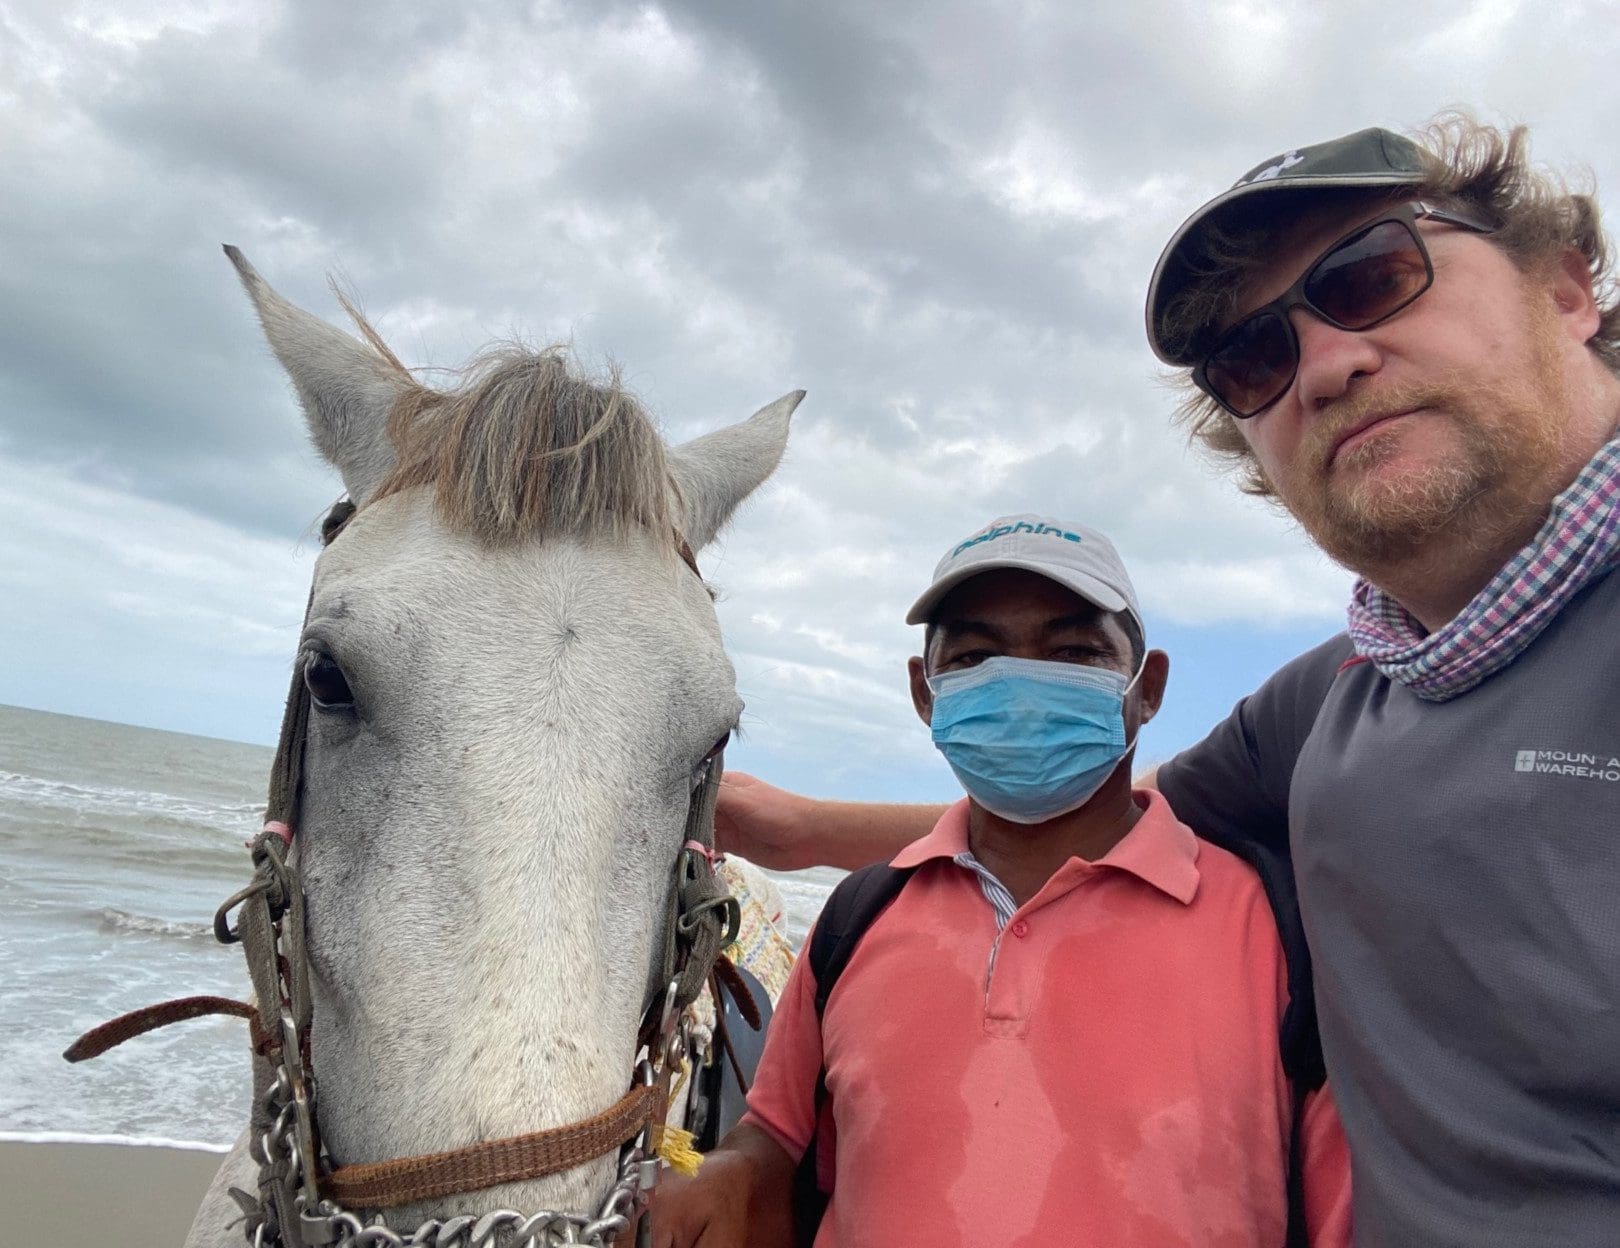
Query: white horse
[516,677]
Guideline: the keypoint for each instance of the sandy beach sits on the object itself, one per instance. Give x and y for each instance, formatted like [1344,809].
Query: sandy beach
[90,1195]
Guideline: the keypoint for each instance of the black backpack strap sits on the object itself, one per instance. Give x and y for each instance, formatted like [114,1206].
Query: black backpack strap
[851,908]
[859,898]
[1299,1041]
[809,1201]
[1298,1234]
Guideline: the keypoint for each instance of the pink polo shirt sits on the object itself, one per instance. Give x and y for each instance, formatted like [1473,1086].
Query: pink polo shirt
[1102,1071]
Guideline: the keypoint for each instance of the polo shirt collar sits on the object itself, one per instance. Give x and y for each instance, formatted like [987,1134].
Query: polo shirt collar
[1160,850]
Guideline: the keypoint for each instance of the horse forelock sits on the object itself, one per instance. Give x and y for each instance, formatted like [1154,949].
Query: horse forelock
[527,445]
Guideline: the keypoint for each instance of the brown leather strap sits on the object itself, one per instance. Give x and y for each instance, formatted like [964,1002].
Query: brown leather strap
[722,1031]
[287,768]
[115,1031]
[386,1184]
[725,972]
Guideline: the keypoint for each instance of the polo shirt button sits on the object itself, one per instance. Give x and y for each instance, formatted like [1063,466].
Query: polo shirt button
[1020,928]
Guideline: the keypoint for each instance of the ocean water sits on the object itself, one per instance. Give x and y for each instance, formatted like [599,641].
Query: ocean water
[116,846]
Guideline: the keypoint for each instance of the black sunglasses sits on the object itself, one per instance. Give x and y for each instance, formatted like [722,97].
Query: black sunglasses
[1366,277]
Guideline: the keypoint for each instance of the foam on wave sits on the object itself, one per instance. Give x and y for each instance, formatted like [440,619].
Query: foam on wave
[33,791]
[131,1141]
[111,917]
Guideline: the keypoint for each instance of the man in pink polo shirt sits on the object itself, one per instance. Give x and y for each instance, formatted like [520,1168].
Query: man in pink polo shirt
[1064,1029]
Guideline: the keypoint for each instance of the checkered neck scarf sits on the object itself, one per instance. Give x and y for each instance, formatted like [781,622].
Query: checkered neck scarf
[1579,543]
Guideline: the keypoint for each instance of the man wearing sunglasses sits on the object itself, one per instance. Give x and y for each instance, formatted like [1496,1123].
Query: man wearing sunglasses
[1414,350]
[1402,345]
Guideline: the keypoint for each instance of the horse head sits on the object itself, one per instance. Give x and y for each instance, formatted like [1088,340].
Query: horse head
[515,681]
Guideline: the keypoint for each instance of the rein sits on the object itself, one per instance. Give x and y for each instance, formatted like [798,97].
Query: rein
[302,1201]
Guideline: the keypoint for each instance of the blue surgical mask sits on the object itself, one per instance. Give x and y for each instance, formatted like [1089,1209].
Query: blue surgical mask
[1031,739]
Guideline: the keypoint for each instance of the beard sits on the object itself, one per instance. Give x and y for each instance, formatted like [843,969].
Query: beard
[1506,440]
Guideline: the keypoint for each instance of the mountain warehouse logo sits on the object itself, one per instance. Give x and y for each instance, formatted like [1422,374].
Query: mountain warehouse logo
[1568,763]
[1023,526]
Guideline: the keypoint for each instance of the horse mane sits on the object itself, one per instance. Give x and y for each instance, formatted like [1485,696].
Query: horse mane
[526,445]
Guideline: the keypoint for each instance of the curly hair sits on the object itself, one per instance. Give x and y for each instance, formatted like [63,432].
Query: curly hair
[1470,165]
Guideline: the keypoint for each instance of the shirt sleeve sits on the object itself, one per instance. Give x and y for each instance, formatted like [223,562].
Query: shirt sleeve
[782,1100]
[1326,1161]
[1233,785]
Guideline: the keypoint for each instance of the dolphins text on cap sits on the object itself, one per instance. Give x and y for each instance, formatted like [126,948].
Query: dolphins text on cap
[1002,530]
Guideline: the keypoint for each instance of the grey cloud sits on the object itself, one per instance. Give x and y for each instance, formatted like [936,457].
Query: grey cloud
[732,200]
[325,149]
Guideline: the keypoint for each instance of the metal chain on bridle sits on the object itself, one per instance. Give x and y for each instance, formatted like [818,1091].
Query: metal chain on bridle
[301,1201]
[300,1204]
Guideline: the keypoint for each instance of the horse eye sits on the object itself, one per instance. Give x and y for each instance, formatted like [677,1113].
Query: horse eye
[714,750]
[327,684]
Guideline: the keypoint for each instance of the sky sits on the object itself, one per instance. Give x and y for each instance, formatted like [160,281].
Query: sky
[938,219]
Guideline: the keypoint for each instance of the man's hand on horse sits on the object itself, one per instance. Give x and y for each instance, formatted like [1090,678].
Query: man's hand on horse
[763,823]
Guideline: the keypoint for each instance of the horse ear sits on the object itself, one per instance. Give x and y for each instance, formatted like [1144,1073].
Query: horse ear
[347,389]
[717,471]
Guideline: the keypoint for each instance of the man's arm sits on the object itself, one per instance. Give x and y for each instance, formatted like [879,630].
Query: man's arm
[787,832]
[740,1198]
[1233,786]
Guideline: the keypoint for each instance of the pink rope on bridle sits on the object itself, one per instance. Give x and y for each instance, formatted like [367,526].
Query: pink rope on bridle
[697,847]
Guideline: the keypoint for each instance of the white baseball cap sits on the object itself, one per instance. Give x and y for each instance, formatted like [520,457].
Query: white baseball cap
[1073,555]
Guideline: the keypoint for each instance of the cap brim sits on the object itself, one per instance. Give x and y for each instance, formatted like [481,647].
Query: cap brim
[1160,288]
[1088,587]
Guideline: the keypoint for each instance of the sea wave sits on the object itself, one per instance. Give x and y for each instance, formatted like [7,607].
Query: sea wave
[140,843]
[132,1141]
[35,792]
[113,919]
